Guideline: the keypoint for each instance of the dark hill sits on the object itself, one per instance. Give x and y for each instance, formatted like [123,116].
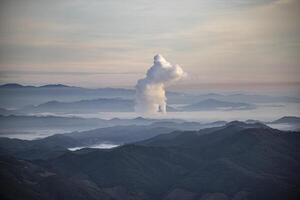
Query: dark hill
[57,144]
[235,161]
[13,85]
[54,86]
[25,180]
[253,162]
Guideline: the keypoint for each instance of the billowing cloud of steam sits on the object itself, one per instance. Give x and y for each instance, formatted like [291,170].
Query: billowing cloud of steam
[150,91]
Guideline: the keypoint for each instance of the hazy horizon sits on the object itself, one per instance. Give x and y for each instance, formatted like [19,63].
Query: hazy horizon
[289,89]
[237,45]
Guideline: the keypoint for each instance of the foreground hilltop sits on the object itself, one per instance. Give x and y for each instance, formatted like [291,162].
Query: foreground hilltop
[235,161]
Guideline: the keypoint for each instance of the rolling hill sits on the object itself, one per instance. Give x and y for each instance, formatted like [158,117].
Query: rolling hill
[235,161]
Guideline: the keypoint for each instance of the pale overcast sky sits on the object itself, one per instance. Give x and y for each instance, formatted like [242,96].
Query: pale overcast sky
[97,43]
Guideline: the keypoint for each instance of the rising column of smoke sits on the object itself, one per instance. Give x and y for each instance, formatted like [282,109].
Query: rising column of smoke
[150,91]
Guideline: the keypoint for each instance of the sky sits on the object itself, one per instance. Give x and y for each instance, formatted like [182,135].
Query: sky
[221,44]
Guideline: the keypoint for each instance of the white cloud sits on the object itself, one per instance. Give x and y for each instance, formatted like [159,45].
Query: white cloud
[150,91]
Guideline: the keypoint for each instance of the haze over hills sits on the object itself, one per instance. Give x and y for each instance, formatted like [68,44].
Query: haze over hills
[19,123]
[286,123]
[116,135]
[60,143]
[235,161]
[249,98]
[20,95]
[84,106]
[213,104]
[20,126]
[48,122]
[108,103]
[287,119]
[125,105]
[17,96]
[89,106]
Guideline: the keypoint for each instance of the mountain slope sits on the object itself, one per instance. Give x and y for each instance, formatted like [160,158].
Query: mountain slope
[235,161]
[119,134]
[257,163]
[25,180]
[57,144]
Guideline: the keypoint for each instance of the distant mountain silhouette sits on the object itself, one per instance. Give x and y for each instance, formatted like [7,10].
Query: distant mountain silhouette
[54,86]
[83,106]
[14,95]
[17,96]
[26,125]
[286,123]
[248,98]
[12,85]
[288,119]
[19,123]
[213,104]
[16,85]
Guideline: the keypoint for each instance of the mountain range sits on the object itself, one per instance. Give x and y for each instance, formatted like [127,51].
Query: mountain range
[83,106]
[116,135]
[120,105]
[213,104]
[235,161]
[17,96]
[25,125]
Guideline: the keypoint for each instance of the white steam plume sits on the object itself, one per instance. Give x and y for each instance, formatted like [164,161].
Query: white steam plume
[150,91]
